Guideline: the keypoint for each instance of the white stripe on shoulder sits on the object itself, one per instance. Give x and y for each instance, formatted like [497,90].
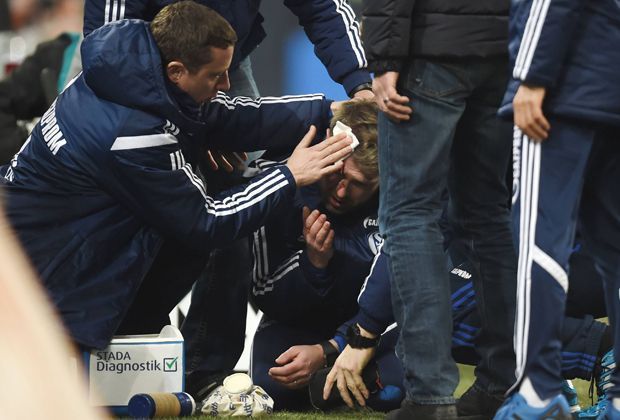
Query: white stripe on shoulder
[121,13]
[531,36]
[141,142]
[231,103]
[114,11]
[348,19]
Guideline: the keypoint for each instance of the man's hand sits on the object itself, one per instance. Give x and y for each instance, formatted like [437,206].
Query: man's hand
[296,365]
[387,98]
[226,160]
[319,238]
[309,163]
[528,115]
[347,374]
[363,94]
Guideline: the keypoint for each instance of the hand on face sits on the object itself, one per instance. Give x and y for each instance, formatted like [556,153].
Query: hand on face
[319,238]
[309,163]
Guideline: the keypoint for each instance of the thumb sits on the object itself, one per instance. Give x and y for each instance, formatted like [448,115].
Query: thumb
[308,137]
[286,357]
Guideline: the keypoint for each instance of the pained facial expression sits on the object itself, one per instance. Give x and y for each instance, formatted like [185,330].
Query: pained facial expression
[343,191]
[204,84]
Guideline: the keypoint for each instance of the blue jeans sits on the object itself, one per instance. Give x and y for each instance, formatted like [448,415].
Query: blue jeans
[453,140]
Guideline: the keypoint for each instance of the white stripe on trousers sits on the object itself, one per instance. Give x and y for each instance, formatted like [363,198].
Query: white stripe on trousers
[529,252]
[528,206]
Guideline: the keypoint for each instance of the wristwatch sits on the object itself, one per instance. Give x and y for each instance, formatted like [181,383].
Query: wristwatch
[357,341]
[330,353]
[363,86]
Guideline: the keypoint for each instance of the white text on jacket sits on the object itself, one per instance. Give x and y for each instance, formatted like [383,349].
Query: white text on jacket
[53,136]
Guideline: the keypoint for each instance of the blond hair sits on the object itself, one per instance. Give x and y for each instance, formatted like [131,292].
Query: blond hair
[361,116]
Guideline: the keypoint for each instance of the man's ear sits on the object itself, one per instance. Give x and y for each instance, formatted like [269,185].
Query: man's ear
[175,71]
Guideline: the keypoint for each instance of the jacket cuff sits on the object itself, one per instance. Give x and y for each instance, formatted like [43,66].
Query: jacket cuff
[341,340]
[289,177]
[319,278]
[369,323]
[354,79]
[382,66]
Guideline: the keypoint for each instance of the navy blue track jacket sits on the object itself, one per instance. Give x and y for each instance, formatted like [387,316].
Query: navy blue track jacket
[571,47]
[289,289]
[375,304]
[105,177]
[330,25]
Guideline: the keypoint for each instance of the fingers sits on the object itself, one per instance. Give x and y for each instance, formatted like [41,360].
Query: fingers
[284,371]
[321,235]
[330,141]
[341,384]
[329,241]
[311,219]
[317,226]
[306,141]
[287,356]
[398,111]
[532,122]
[211,161]
[330,169]
[353,386]
[318,231]
[223,162]
[336,151]
[394,105]
[296,380]
[329,383]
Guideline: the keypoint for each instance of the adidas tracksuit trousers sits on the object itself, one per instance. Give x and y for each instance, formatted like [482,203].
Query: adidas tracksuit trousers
[571,178]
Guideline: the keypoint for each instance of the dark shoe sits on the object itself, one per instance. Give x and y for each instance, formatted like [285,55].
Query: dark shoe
[411,411]
[475,404]
[200,384]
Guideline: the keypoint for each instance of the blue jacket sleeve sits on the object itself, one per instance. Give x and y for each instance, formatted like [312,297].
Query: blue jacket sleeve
[545,41]
[375,303]
[158,186]
[333,29]
[268,123]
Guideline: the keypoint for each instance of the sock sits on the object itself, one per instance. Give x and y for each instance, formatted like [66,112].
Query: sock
[616,403]
[530,395]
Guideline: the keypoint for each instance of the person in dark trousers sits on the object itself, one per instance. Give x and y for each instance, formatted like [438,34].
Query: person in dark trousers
[440,71]
[111,163]
[563,99]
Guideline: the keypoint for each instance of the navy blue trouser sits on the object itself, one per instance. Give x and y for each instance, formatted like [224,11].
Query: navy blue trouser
[580,336]
[571,177]
[273,338]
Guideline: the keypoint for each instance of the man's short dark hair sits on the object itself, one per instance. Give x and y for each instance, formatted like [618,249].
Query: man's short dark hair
[185,31]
